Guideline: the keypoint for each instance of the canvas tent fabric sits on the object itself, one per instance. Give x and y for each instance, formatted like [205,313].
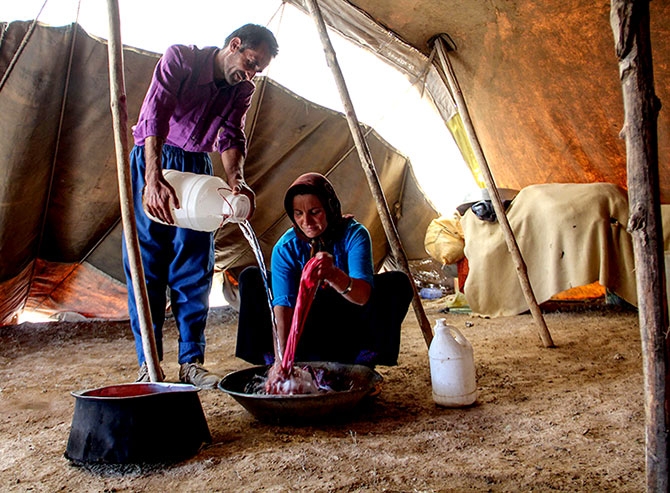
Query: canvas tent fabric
[540,78]
[60,230]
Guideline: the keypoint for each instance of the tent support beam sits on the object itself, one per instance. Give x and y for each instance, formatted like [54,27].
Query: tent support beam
[369,169]
[631,28]
[120,121]
[443,44]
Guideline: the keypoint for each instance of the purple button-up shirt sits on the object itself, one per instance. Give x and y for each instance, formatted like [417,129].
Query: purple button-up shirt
[185,106]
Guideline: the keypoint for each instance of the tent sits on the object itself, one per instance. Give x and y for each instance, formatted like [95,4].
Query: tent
[540,80]
[61,232]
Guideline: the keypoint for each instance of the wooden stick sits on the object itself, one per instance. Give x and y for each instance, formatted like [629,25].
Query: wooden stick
[120,122]
[630,25]
[370,170]
[512,246]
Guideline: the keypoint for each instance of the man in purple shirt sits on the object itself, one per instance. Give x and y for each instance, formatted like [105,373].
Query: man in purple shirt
[196,104]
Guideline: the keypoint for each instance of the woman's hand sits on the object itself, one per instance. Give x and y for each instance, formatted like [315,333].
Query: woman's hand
[276,377]
[296,381]
[326,270]
[355,290]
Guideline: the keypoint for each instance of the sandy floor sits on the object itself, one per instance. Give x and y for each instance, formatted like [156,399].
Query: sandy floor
[569,418]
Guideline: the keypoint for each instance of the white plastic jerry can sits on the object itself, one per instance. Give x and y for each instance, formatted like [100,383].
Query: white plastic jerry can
[205,202]
[452,367]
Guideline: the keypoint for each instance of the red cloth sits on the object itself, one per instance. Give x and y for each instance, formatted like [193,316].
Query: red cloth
[463,268]
[308,286]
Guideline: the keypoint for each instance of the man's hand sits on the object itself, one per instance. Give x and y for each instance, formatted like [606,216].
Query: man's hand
[240,187]
[160,199]
[233,164]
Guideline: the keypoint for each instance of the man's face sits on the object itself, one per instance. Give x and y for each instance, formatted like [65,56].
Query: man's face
[244,65]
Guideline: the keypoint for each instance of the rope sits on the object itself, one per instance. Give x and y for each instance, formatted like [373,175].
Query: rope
[261,89]
[21,47]
[59,131]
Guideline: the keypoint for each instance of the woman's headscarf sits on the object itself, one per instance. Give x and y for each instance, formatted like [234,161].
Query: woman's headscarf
[317,184]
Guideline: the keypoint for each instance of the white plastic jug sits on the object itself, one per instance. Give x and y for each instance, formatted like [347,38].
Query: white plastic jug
[205,202]
[452,367]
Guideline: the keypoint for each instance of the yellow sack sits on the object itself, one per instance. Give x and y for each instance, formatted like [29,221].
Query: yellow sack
[444,240]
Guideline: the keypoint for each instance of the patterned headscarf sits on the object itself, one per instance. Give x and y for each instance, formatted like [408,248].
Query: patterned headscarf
[317,184]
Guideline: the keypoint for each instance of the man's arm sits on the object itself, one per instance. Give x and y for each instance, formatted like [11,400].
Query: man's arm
[233,164]
[159,196]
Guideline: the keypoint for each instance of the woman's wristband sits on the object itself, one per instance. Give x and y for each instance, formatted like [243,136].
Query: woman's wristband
[349,286]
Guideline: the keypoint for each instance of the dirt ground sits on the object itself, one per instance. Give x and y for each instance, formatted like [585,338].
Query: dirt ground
[569,418]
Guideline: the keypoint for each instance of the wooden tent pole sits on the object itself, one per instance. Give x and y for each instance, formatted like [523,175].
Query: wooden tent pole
[369,169]
[630,24]
[442,43]
[120,122]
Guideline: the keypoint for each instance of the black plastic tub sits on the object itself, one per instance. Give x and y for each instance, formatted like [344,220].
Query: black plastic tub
[137,423]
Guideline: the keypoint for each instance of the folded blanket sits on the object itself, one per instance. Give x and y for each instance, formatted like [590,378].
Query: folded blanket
[569,235]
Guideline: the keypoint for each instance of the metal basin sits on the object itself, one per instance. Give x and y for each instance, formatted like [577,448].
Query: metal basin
[137,423]
[351,383]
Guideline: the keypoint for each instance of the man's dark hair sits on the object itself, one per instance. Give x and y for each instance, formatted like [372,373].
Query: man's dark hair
[252,36]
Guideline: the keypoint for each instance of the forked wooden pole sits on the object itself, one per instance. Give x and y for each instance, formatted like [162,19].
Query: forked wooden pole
[631,28]
[369,169]
[120,122]
[442,46]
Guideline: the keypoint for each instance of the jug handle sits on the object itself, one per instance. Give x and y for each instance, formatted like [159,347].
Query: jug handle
[225,218]
[459,337]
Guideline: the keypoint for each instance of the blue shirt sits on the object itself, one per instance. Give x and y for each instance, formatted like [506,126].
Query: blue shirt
[352,253]
[186,107]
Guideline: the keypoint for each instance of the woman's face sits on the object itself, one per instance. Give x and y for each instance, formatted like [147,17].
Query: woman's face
[309,215]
